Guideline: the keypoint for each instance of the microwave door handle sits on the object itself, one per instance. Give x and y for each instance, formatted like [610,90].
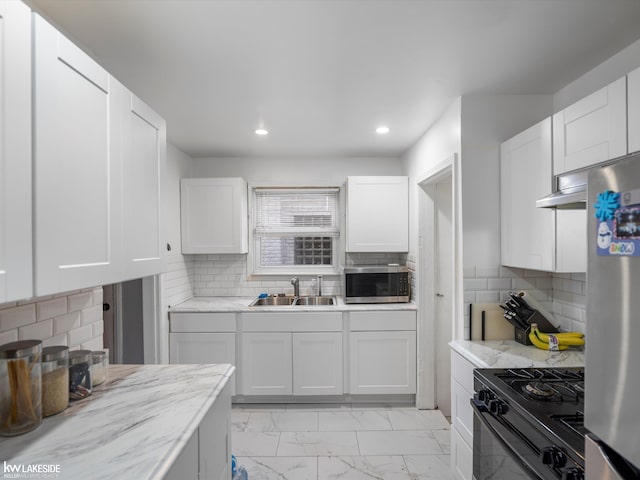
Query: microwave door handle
[481,413]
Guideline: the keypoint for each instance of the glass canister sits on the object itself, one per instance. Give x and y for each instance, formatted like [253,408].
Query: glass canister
[80,374]
[55,379]
[100,362]
[20,387]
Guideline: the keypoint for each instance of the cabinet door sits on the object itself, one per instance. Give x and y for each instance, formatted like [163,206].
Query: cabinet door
[203,348]
[461,457]
[633,110]
[266,364]
[215,439]
[527,233]
[382,362]
[144,152]
[571,241]
[317,363]
[77,167]
[213,213]
[591,130]
[377,214]
[15,153]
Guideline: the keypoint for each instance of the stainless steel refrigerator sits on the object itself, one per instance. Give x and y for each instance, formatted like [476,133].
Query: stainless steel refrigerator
[612,398]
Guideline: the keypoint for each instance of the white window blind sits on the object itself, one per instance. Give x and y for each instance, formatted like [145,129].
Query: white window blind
[300,212]
[295,228]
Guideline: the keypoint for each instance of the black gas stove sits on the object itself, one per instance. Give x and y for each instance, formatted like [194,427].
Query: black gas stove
[529,424]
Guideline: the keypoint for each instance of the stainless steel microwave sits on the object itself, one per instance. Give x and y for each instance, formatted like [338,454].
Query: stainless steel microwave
[377,284]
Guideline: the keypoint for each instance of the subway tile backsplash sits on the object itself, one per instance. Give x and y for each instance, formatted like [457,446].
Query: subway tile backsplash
[562,294]
[72,318]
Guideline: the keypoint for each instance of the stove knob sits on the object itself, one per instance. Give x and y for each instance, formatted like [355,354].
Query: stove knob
[572,473]
[485,396]
[554,457]
[497,407]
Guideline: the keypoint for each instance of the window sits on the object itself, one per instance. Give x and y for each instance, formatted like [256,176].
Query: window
[295,230]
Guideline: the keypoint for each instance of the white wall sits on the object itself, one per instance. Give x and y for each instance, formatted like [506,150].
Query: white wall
[176,284]
[487,121]
[439,142]
[295,171]
[608,71]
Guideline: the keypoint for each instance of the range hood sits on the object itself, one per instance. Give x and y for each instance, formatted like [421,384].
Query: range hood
[570,192]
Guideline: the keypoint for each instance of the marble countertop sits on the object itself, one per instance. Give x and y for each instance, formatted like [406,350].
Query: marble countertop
[511,354]
[241,304]
[132,426]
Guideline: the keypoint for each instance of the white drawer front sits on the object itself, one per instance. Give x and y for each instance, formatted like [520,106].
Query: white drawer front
[383,320]
[203,322]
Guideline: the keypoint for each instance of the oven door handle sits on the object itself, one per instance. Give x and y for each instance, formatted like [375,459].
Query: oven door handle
[481,412]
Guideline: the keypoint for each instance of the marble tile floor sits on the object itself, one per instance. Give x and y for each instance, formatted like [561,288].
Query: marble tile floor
[347,442]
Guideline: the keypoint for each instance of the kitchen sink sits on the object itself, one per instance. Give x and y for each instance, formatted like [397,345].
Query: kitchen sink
[289,300]
[305,301]
[273,301]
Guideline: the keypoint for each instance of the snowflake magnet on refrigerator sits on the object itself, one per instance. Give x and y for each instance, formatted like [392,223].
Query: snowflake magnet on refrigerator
[606,205]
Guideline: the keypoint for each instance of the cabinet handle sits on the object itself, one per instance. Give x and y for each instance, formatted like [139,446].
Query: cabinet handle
[439,295]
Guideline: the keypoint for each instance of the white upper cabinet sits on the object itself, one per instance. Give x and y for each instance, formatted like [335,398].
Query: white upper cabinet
[143,157]
[633,109]
[15,151]
[536,238]
[213,213]
[377,214]
[77,167]
[527,233]
[592,130]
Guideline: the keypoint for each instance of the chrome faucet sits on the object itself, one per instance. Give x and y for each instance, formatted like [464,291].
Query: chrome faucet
[319,285]
[296,286]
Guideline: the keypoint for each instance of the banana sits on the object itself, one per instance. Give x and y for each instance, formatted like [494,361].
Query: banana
[564,338]
[540,344]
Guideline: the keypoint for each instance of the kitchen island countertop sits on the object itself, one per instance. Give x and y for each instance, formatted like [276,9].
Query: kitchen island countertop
[134,425]
[241,304]
[511,354]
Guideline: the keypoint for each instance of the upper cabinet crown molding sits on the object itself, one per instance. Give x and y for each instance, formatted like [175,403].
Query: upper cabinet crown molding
[15,155]
[592,130]
[213,215]
[377,214]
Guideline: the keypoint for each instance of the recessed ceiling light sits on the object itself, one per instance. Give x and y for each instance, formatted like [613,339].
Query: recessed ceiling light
[382,130]
[262,131]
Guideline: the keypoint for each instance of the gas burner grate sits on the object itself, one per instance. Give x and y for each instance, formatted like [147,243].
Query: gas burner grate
[574,422]
[546,385]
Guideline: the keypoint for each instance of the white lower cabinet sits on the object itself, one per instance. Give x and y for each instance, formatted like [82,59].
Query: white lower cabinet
[207,454]
[382,362]
[203,338]
[382,352]
[461,457]
[266,363]
[292,353]
[461,417]
[317,363]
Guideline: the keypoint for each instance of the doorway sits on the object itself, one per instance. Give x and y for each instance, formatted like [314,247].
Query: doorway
[130,316]
[438,291]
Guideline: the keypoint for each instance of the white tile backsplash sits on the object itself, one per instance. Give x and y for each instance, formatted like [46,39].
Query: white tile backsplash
[72,318]
[564,294]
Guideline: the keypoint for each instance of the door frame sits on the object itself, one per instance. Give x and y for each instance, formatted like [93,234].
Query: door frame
[427,277]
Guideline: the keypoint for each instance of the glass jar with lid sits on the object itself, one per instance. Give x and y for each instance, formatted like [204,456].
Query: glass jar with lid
[55,379]
[99,367]
[80,374]
[20,387]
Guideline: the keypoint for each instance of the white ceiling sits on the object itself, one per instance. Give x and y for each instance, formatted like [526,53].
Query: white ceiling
[322,74]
